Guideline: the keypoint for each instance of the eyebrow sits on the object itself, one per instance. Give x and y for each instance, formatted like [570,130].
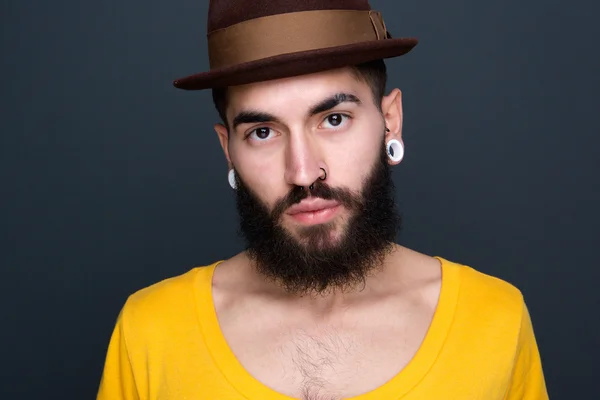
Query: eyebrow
[334,101]
[252,117]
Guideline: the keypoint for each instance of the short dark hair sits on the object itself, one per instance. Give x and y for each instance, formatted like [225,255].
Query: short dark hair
[373,73]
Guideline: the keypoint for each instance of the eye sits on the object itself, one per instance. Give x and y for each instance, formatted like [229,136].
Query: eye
[260,134]
[333,121]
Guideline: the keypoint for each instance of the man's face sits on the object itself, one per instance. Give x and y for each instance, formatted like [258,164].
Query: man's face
[282,135]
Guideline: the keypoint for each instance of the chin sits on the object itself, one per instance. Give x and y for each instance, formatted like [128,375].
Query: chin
[324,236]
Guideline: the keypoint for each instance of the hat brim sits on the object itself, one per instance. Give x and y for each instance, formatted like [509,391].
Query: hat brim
[300,63]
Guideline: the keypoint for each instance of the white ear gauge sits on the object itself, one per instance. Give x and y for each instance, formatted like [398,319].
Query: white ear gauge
[395,150]
[231,179]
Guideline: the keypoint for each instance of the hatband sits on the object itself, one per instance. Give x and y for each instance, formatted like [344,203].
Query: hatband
[278,34]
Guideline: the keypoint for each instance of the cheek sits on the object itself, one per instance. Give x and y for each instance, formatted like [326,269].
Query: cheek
[261,173]
[351,162]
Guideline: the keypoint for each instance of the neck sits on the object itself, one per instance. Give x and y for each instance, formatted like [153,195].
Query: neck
[332,299]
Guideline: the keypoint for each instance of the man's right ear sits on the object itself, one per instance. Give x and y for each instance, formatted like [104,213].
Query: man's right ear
[223,135]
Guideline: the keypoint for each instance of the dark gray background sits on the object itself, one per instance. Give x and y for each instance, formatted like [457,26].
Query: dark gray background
[111,179]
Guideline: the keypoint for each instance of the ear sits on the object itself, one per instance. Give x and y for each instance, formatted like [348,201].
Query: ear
[391,108]
[223,135]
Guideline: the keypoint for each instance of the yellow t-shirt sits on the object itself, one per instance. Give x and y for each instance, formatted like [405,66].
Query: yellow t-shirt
[480,345]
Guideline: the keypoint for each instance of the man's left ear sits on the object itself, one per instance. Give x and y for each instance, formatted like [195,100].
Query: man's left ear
[391,108]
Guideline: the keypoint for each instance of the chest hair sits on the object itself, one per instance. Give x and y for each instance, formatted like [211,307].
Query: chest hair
[322,364]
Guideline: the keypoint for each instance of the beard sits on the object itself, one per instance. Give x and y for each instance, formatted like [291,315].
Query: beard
[319,259]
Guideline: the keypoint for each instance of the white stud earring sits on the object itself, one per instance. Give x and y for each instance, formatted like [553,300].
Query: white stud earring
[395,150]
[231,179]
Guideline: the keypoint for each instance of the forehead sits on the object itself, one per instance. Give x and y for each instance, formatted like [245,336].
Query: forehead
[296,93]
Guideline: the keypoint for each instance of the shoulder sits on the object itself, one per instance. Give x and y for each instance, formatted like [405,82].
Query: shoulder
[486,301]
[164,302]
[476,286]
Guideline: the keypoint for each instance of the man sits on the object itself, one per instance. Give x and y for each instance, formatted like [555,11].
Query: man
[322,304]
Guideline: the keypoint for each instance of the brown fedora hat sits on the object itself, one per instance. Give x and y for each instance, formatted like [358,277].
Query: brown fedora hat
[258,40]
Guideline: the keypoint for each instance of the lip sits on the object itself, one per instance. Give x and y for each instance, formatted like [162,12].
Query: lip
[313,211]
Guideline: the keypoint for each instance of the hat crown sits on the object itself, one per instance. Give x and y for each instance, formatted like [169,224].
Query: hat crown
[224,13]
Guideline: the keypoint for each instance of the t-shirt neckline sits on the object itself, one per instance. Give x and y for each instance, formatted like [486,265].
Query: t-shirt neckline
[398,386]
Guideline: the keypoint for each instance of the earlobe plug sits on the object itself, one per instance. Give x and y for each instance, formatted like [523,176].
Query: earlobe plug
[231,179]
[395,150]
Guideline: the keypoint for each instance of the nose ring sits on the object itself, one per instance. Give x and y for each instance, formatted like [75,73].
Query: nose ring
[321,178]
[324,175]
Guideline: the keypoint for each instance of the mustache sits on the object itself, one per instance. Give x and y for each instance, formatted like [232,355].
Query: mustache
[320,190]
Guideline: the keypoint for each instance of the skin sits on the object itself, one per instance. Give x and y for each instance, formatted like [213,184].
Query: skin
[276,335]
[300,144]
